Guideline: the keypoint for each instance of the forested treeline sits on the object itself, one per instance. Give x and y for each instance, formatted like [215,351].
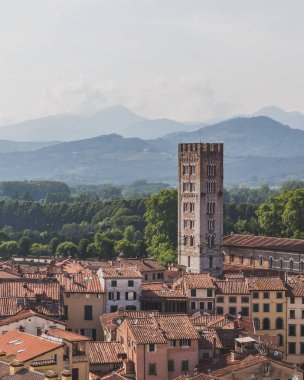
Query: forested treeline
[139,226]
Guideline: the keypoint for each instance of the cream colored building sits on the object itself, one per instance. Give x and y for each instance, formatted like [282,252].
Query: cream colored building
[83,299]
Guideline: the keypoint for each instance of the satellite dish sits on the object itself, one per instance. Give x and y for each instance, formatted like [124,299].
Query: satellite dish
[294,377]
[276,354]
[239,315]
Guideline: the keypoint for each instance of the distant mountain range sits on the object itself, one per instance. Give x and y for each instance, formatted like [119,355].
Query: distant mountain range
[119,120]
[257,150]
[116,119]
[293,119]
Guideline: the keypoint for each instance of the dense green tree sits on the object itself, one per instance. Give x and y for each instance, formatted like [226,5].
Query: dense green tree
[24,245]
[161,228]
[67,248]
[83,247]
[53,245]
[38,249]
[8,248]
[104,246]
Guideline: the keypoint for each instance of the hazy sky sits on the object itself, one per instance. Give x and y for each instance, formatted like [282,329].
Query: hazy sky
[182,59]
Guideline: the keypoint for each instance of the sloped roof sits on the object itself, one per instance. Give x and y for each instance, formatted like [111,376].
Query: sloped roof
[232,287]
[120,272]
[87,282]
[29,288]
[67,335]
[26,346]
[105,352]
[25,314]
[265,242]
[24,374]
[199,281]
[266,283]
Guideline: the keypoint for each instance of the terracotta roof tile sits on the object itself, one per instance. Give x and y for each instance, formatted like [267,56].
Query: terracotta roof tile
[9,307]
[272,243]
[26,346]
[67,335]
[80,283]
[208,338]
[199,281]
[145,331]
[25,314]
[28,288]
[120,272]
[160,290]
[105,352]
[232,287]
[176,326]
[211,320]
[240,364]
[266,283]
[143,265]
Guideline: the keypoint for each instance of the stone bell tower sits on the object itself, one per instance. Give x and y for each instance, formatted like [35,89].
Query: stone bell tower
[200,207]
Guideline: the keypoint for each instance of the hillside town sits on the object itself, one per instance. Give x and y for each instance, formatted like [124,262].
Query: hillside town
[231,308]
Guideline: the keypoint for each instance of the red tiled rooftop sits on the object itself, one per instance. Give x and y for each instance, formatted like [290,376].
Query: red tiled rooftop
[25,346]
[120,272]
[266,283]
[105,352]
[232,287]
[25,314]
[67,335]
[266,242]
[198,281]
[87,282]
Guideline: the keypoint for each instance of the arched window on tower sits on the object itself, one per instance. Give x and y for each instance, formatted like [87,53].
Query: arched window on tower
[291,264]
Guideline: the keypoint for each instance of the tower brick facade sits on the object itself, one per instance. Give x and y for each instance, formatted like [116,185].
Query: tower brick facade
[200,207]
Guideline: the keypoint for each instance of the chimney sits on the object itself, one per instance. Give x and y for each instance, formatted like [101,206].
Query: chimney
[50,375]
[15,367]
[2,355]
[66,375]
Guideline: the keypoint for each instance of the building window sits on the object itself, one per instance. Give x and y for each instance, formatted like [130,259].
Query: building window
[113,283]
[266,324]
[185,342]
[291,264]
[193,305]
[256,307]
[302,348]
[255,295]
[256,322]
[210,262]
[232,310]
[88,312]
[185,206]
[279,307]
[291,348]
[130,283]
[266,295]
[192,224]
[292,300]
[172,343]
[281,340]
[292,314]
[151,347]
[192,206]
[279,295]
[185,365]
[292,330]
[245,299]
[281,264]
[232,299]
[152,369]
[266,308]
[189,261]
[210,224]
[219,310]
[202,305]
[65,312]
[220,299]
[209,293]
[301,266]
[270,262]
[302,312]
[193,292]
[279,323]
[302,330]
[170,365]
[245,311]
[211,207]
[211,239]
[191,241]
[192,169]
[113,308]
[185,169]
[146,277]
[209,306]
